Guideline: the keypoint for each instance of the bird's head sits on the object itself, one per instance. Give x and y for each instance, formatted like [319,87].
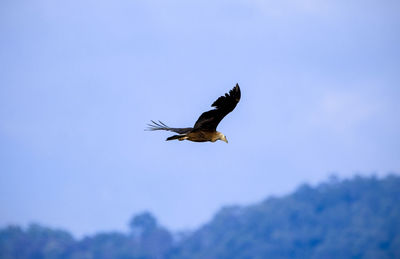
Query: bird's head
[222,137]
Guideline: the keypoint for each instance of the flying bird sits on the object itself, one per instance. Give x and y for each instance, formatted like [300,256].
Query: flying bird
[205,128]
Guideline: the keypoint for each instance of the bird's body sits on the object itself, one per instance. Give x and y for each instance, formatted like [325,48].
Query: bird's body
[205,128]
[200,136]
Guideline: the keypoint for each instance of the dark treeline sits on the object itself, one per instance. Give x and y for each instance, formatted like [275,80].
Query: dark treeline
[357,218]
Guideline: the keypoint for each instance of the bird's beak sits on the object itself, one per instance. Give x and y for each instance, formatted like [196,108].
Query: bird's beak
[226,140]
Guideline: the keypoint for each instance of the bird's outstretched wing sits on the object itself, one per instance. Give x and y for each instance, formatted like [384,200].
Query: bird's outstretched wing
[161,126]
[223,105]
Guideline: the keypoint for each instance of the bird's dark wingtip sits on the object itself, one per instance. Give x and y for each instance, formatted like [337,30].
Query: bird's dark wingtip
[237,88]
[236,91]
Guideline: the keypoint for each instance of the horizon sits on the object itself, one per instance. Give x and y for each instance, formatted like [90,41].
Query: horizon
[330,180]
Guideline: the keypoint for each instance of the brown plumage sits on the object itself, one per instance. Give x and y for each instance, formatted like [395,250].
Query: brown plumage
[205,128]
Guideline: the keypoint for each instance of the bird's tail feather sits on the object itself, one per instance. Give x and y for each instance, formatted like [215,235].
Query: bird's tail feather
[175,137]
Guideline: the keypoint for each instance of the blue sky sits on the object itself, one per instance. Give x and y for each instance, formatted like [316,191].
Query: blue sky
[79,80]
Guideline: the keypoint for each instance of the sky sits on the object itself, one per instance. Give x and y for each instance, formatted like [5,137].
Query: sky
[79,81]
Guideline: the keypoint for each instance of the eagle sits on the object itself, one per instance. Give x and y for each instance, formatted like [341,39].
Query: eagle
[205,128]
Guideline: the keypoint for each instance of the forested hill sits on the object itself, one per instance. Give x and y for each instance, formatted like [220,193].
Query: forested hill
[357,218]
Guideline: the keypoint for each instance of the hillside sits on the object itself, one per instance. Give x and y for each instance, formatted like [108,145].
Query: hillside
[357,218]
